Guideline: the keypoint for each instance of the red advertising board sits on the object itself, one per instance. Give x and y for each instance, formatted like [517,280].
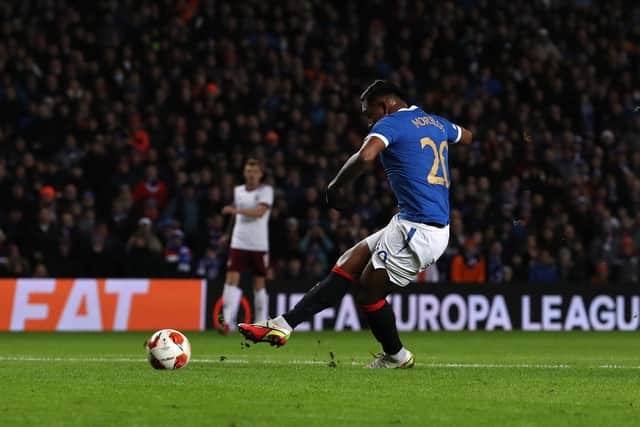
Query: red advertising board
[101,304]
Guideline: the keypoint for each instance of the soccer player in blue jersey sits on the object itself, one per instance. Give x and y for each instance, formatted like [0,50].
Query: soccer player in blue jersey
[413,147]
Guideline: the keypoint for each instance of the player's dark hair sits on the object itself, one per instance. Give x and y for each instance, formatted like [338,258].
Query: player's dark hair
[380,88]
[254,162]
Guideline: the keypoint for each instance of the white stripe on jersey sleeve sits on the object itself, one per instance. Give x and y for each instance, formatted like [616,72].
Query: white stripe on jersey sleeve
[459,137]
[379,135]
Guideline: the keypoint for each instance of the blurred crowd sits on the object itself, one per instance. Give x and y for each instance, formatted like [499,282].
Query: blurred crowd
[124,126]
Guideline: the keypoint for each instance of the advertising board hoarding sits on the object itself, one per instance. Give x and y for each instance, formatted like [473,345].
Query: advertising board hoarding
[101,304]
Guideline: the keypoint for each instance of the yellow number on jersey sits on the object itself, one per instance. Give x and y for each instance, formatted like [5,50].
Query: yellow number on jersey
[438,158]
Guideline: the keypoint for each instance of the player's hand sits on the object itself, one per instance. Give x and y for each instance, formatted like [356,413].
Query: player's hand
[229,209]
[337,198]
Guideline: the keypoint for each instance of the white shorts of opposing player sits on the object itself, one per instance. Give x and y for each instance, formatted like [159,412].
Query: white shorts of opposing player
[405,248]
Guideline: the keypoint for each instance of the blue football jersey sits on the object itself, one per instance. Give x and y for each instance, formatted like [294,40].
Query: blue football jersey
[416,162]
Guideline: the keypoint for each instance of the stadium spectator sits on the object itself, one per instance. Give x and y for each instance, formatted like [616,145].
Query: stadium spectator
[629,268]
[209,265]
[99,261]
[47,200]
[122,221]
[430,275]
[507,274]
[65,262]
[144,232]
[293,270]
[40,270]
[316,246]
[214,236]
[4,254]
[343,237]
[495,265]
[543,268]
[177,255]
[601,276]
[44,235]
[184,207]
[566,266]
[150,194]
[287,247]
[148,261]
[18,265]
[468,267]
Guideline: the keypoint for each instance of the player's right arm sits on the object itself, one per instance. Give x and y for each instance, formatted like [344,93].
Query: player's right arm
[382,134]
[355,166]
[359,162]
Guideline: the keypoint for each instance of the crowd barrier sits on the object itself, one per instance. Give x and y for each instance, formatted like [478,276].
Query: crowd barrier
[146,304]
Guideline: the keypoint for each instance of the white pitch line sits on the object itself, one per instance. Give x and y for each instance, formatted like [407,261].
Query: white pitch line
[67,359]
[494,365]
[141,360]
[26,358]
[618,367]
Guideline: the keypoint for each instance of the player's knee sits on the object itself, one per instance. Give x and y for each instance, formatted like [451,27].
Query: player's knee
[232,278]
[259,283]
[370,303]
[361,298]
[364,297]
[375,287]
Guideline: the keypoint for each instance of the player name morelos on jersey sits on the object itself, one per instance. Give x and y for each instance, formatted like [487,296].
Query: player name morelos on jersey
[251,233]
[416,162]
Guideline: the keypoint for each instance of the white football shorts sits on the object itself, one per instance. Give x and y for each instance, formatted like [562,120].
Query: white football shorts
[405,248]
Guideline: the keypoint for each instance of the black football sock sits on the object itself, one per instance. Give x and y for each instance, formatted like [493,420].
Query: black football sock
[326,293]
[382,322]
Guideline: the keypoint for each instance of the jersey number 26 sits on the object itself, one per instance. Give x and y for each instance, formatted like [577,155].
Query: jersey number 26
[438,158]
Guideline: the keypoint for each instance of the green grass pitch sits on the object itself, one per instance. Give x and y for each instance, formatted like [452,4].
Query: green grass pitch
[460,379]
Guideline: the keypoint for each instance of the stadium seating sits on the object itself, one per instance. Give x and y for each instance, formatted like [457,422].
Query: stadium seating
[122,127]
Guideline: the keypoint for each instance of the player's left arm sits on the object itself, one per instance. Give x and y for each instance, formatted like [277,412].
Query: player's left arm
[358,163]
[265,200]
[456,134]
[467,136]
[256,212]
